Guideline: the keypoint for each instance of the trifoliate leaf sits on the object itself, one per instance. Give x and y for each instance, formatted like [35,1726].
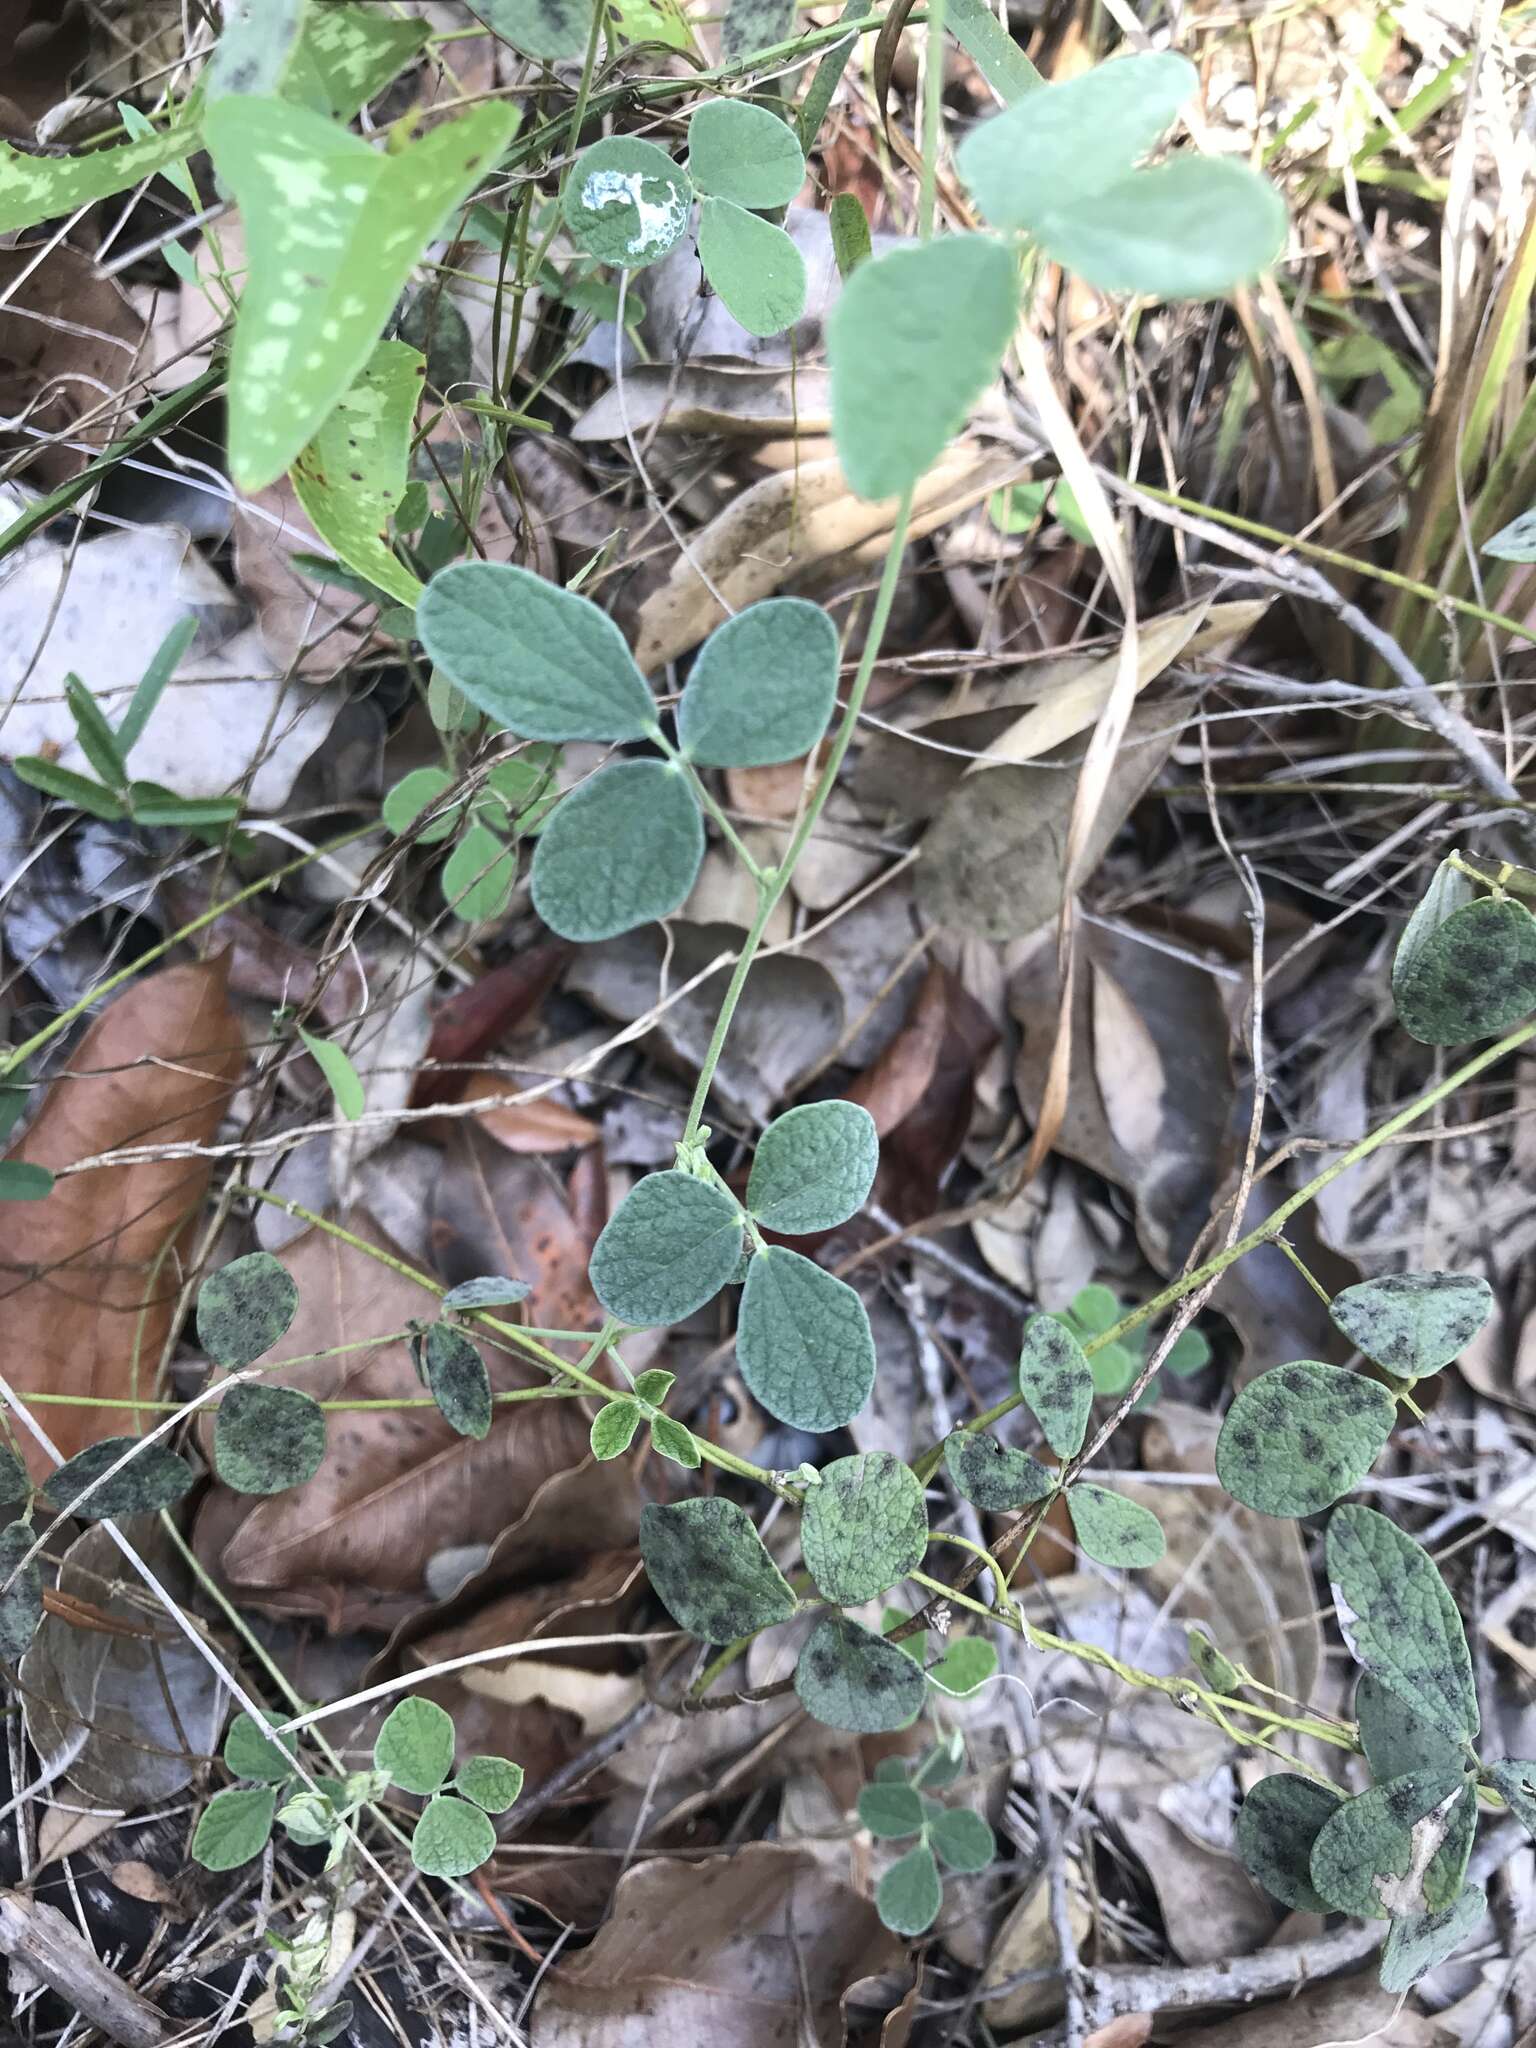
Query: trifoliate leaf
[1449,890]
[762,687]
[1396,1737]
[1514,1781]
[1213,1665]
[995,1478]
[756,268]
[155,1478]
[1113,1530]
[945,1762]
[864,1527]
[848,1678]
[491,1782]
[743,152]
[964,1668]
[415,1745]
[353,473]
[267,1439]
[626,203]
[452,1838]
[671,1440]
[620,850]
[1399,1620]
[1416,1942]
[814,1167]
[341,1076]
[962,1839]
[252,1751]
[244,1308]
[890,1811]
[1189,229]
[909,1895]
[539,661]
[1279,1822]
[710,1570]
[803,1342]
[1057,1384]
[1298,1437]
[1473,978]
[235,1826]
[613,1429]
[1414,1323]
[457,1380]
[21,1603]
[1373,1854]
[669,1247]
[492,1290]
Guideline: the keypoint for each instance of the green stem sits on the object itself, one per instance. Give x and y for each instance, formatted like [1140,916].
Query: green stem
[933,118]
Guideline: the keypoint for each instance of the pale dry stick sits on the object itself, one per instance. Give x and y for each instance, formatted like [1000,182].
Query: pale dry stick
[37,1937]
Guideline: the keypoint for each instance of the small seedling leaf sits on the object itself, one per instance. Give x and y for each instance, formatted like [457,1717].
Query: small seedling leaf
[1113,1530]
[814,1167]
[710,1570]
[341,1076]
[1057,1383]
[457,1380]
[1279,1822]
[479,875]
[762,687]
[890,1811]
[669,1247]
[964,1668]
[1298,1437]
[991,1475]
[803,1342]
[250,1751]
[1474,977]
[909,1895]
[743,152]
[415,1746]
[626,203]
[622,849]
[244,1307]
[235,1826]
[352,475]
[491,1782]
[492,1290]
[156,1478]
[21,1603]
[654,1386]
[962,1839]
[1414,1323]
[452,1838]
[671,1440]
[1375,1854]
[267,1439]
[756,268]
[1399,1620]
[1416,1942]
[613,1429]
[851,1679]
[864,1527]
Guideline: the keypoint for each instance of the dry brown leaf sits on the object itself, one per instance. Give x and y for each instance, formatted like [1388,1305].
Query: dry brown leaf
[598,1699]
[716,399]
[1027,1941]
[1130,2030]
[541,1126]
[70,344]
[493,1212]
[1351,2009]
[88,1278]
[311,628]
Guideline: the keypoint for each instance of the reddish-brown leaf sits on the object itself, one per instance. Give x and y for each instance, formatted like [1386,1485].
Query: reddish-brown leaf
[476,1018]
[543,1125]
[921,1090]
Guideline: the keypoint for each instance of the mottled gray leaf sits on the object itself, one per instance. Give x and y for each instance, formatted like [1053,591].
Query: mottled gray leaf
[1374,1854]
[244,1308]
[155,1478]
[1279,1822]
[864,1527]
[1300,1436]
[1473,978]
[1113,1530]
[457,1380]
[849,1678]
[710,1570]
[1418,1941]
[1414,1323]
[1057,1383]
[993,1476]
[21,1603]
[1399,1620]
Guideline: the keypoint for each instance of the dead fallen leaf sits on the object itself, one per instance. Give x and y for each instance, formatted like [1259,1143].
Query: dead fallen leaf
[1027,1941]
[1351,2009]
[70,344]
[712,399]
[541,1126]
[493,1212]
[261,961]
[305,628]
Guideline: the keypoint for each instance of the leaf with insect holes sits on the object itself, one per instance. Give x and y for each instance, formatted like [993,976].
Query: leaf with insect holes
[457,1380]
[849,1678]
[415,794]
[346,54]
[235,1826]
[1115,1531]
[268,1439]
[341,1076]
[813,1168]
[415,1746]
[745,153]
[622,849]
[710,1570]
[1416,1942]
[37,188]
[964,1668]
[626,202]
[154,1478]
[762,686]
[890,1811]
[251,1751]
[613,1429]
[1298,1437]
[671,1440]
[491,1782]
[669,1247]
[352,475]
[1449,891]
[452,1838]
[1474,977]
[1057,1383]
[864,1527]
[244,1307]
[992,1476]
[803,1342]
[479,875]
[962,1839]
[21,1601]
[491,1290]
[540,661]
[755,267]
[1399,1620]
[1414,1323]
[909,1895]
[1375,1855]
[905,372]
[333,229]
[1277,1825]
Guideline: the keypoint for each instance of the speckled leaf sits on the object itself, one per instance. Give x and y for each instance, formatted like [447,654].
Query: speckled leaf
[415,1745]
[909,1895]
[1418,1941]
[14,1483]
[1298,1437]
[457,1380]
[669,1247]
[1399,1620]
[1396,1737]
[890,1811]
[762,687]
[753,25]
[452,1838]
[849,1678]
[266,1439]
[244,1307]
[234,1827]
[352,475]
[1113,1530]
[1515,1782]
[333,229]
[1279,1821]
[1474,977]
[1449,891]
[252,1751]
[1057,1383]
[992,1476]
[710,1570]
[622,849]
[35,188]
[613,1429]
[743,152]
[626,202]
[1414,1323]
[814,1167]
[492,1782]
[756,268]
[156,1478]
[21,1603]
[864,1527]
[548,29]
[803,1342]
[346,55]
[1375,1853]
[962,1839]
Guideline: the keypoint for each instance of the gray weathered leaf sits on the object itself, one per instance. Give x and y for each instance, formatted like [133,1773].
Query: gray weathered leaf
[458,1381]
[864,1527]
[711,1571]
[1396,1737]
[1298,1437]
[21,1603]
[1374,1855]
[1418,1941]
[1279,1821]
[1414,1323]
[154,1478]
[1113,1530]
[803,1342]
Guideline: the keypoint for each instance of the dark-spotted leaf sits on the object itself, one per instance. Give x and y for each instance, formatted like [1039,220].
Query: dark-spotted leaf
[672,1440]
[1278,1824]
[1449,890]
[1189,229]
[814,1167]
[710,1570]
[1399,1619]
[14,1484]
[21,1600]
[1298,1437]
[244,1307]
[492,1782]
[962,1839]
[620,850]
[965,1666]
[1414,1323]
[909,1895]
[1396,1737]
[803,1342]
[905,370]
[743,152]
[491,1290]
[762,687]
[153,1478]
[415,1745]
[540,661]
[253,1752]
[994,1477]
[626,202]
[266,1439]
[669,1247]
[548,29]
[1515,1782]
[352,474]
[235,1826]
[457,1380]
[1416,1942]
[1374,1854]
[1113,1530]
[851,1679]
[864,1527]
[1474,977]
[613,1429]
[751,26]
[452,1838]
[756,268]
[1057,1383]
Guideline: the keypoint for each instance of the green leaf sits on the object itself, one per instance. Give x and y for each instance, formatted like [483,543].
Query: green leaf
[352,474]
[673,1441]
[149,804]
[1113,1530]
[743,152]
[944,1763]
[620,850]
[626,202]
[14,1484]
[69,787]
[1414,1323]
[244,1308]
[753,25]
[492,1290]
[1373,1855]
[1474,977]
[651,21]
[251,1752]
[36,188]
[963,1839]
[905,370]
[890,1811]
[654,1386]
[909,1895]
[1279,1822]
[1213,1664]
[479,875]
[433,324]
[613,1429]
[1189,229]
[254,47]
[21,1603]
[1515,1781]
[452,1838]
[1191,1353]
[538,660]
[235,1826]
[1399,1620]
[21,1181]
[990,47]
[490,1782]
[163,664]
[1114,1366]
[417,792]
[710,1570]
[814,1167]
[1396,1737]
[1449,891]
[762,688]
[267,1439]
[1300,1436]
[347,54]
[849,226]
[457,1380]
[803,1342]
[540,28]
[849,1678]
[756,268]
[1095,1309]
[669,1247]
[333,230]
[156,1478]
[864,1527]
[1416,1942]
[98,742]
[340,1074]
[995,1478]
[1057,1384]
[415,1745]
[965,1667]
[1515,542]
